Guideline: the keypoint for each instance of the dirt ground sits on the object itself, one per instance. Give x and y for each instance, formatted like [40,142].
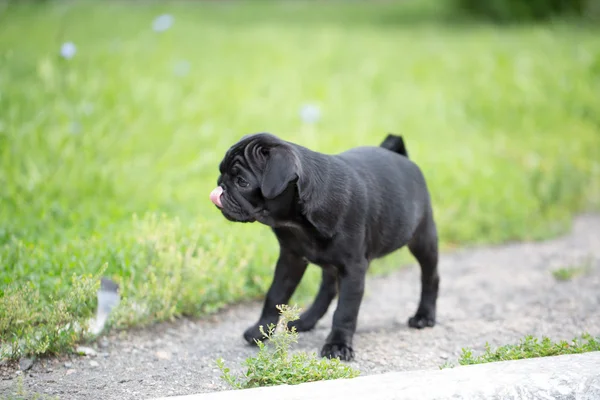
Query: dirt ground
[488,294]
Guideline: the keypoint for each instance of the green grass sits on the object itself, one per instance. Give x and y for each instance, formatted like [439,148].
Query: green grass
[18,392]
[274,365]
[530,347]
[569,272]
[107,159]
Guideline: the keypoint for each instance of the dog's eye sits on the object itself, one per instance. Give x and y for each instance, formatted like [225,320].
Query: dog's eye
[242,182]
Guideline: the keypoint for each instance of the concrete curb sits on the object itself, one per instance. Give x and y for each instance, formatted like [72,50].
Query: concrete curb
[574,376]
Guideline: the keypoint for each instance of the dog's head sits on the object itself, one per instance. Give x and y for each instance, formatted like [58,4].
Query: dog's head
[257,180]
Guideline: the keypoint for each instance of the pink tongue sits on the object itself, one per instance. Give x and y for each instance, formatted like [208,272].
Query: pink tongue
[215,196]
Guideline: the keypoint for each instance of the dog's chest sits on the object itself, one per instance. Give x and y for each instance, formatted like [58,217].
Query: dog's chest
[316,250]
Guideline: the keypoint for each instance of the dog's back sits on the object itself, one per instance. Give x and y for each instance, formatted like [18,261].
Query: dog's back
[389,189]
[395,143]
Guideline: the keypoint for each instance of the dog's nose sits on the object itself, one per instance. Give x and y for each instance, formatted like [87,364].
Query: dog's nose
[215,196]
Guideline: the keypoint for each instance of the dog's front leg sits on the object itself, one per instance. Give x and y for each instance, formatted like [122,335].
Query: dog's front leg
[326,294]
[288,273]
[351,287]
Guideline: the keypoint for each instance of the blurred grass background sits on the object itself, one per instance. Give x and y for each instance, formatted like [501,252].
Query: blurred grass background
[107,158]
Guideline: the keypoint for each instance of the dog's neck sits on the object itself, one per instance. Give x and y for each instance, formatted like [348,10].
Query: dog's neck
[317,179]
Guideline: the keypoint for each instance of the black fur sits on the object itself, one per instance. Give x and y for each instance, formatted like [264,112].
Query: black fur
[336,211]
[395,143]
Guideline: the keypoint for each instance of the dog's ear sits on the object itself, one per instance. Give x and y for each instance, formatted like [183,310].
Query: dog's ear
[280,170]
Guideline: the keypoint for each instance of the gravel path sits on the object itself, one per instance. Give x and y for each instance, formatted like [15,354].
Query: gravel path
[488,294]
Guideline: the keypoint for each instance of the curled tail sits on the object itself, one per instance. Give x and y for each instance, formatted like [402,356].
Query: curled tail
[394,143]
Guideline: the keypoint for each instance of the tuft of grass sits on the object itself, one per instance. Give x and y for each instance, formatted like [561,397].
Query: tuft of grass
[567,273]
[529,347]
[20,393]
[503,121]
[570,272]
[31,325]
[274,365]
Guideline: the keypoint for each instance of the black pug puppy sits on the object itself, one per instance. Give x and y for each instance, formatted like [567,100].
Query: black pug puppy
[336,211]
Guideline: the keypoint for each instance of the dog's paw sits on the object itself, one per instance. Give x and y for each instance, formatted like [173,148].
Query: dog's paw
[420,321]
[341,351]
[252,334]
[300,325]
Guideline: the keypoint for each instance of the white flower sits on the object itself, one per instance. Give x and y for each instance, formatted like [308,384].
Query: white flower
[75,128]
[68,50]
[162,22]
[87,108]
[310,113]
[182,68]
[115,45]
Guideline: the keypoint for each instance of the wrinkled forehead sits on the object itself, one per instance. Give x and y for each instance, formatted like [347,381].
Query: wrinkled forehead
[246,153]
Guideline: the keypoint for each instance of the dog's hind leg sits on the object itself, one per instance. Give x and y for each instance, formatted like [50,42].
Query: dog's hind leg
[326,294]
[424,247]
[351,287]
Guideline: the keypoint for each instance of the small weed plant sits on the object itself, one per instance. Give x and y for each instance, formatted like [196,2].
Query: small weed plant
[529,347]
[569,272]
[274,365]
[20,393]
[30,326]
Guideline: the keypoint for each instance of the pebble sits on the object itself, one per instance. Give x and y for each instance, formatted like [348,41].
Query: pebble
[88,351]
[172,332]
[68,365]
[25,364]
[71,371]
[94,364]
[163,355]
